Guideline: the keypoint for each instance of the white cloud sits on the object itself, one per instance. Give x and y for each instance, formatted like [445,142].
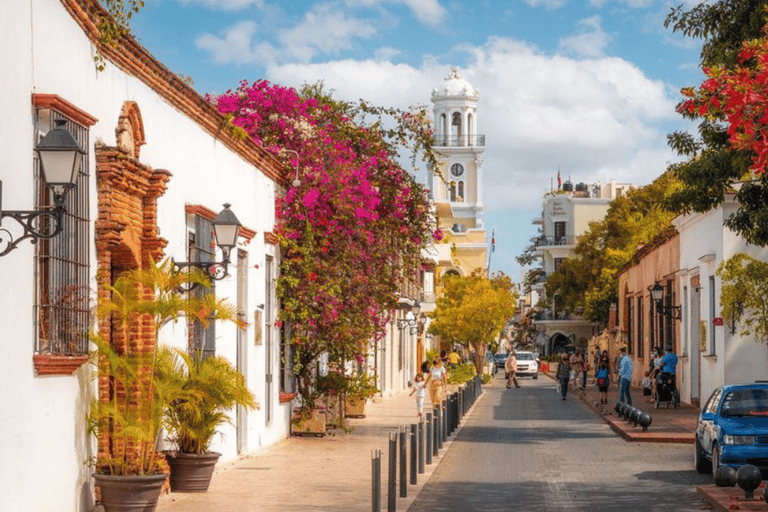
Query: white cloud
[386,53]
[588,41]
[596,119]
[324,30]
[427,12]
[225,5]
[549,4]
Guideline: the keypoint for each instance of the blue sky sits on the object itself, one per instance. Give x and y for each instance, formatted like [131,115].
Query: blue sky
[586,86]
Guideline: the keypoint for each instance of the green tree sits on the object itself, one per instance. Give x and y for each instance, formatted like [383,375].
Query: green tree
[473,310]
[711,169]
[744,296]
[588,281]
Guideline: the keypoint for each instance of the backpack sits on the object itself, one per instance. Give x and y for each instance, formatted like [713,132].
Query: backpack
[601,382]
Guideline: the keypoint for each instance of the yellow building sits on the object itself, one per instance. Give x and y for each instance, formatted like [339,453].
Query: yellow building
[457,190]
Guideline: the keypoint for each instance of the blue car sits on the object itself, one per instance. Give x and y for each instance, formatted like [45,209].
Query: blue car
[733,428]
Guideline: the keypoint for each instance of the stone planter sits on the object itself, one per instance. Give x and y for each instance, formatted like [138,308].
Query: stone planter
[354,406]
[311,425]
[130,493]
[191,472]
[333,418]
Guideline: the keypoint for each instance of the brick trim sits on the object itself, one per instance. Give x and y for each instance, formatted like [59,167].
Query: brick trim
[135,60]
[48,364]
[59,104]
[270,238]
[208,214]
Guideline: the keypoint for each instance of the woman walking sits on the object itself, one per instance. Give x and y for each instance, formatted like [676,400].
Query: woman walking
[437,380]
[564,374]
[510,366]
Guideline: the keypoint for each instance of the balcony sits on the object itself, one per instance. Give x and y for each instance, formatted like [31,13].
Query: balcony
[459,141]
[548,241]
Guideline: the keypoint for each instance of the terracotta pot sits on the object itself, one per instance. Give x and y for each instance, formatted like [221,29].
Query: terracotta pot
[314,424]
[191,472]
[130,493]
[354,406]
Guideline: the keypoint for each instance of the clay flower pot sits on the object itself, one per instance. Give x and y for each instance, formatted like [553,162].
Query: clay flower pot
[191,472]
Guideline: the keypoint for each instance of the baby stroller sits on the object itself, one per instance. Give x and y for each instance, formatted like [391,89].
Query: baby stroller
[666,391]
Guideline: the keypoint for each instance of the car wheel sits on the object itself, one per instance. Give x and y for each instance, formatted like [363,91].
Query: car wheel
[699,460]
[715,459]
[535,375]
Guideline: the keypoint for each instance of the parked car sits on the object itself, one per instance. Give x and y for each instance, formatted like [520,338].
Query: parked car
[732,429]
[527,365]
[490,363]
[501,359]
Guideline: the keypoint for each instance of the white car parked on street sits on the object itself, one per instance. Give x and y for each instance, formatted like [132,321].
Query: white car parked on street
[527,365]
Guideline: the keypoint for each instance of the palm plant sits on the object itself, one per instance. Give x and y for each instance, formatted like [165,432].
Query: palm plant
[203,388]
[127,415]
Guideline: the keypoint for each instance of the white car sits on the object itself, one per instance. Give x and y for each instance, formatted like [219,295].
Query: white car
[527,365]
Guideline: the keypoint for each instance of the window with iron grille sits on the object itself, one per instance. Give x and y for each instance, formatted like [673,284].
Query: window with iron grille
[201,248]
[630,327]
[669,321]
[62,262]
[640,328]
[559,230]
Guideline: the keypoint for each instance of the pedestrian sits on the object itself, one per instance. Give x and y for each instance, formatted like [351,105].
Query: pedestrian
[454,359]
[605,359]
[669,365]
[625,376]
[616,361]
[421,393]
[584,371]
[596,358]
[576,363]
[602,380]
[510,366]
[564,374]
[437,381]
[647,392]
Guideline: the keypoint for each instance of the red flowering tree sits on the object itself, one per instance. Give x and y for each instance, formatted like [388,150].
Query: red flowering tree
[739,95]
[354,227]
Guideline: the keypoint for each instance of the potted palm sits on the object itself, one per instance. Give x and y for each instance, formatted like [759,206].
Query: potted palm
[126,416]
[202,390]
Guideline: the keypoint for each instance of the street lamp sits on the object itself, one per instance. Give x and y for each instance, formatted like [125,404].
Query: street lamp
[226,229]
[59,155]
[403,323]
[657,294]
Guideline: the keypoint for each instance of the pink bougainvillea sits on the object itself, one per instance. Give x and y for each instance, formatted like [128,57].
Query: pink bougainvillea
[353,230]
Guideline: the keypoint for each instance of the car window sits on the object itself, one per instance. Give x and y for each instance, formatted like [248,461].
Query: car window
[745,402]
[522,356]
[711,405]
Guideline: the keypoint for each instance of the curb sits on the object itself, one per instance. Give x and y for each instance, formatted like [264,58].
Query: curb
[637,437]
[727,499]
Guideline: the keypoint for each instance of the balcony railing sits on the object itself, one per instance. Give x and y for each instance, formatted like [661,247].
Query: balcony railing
[459,140]
[550,240]
[427,297]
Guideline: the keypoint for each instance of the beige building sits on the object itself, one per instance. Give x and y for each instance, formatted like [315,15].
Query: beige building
[457,191]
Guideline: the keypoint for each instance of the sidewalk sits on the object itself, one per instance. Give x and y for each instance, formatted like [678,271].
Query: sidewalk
[668,426]
[312,473]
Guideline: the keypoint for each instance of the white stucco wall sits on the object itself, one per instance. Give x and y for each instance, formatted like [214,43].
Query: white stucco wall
[42,434]
[704,244]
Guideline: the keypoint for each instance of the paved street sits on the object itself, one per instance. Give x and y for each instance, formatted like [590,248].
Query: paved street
[526,449]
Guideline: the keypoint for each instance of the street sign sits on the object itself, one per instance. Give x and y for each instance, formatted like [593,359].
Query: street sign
[717,321]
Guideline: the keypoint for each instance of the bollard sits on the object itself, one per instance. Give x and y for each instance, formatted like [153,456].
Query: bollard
[422,469]
[376,480]
[645,421]
[403,465]
[455,411]
[444,419]
[748,477]
[461,403]
[392,472]
[413,454]
[438,430]
[428,434]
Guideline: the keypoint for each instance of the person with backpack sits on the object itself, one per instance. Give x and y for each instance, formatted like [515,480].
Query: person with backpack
[601,380]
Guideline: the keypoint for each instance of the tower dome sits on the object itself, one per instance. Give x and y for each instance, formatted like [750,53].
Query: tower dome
[455,85]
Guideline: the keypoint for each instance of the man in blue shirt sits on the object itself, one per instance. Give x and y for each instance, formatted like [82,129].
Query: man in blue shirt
[669,364]
[625,376]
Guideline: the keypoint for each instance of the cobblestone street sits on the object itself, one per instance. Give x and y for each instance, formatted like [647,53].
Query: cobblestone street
[526,449]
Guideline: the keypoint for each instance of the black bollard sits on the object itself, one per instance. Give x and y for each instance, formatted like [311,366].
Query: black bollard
[413,454]
[748,477]
[392,472]
[438,428]
[376,480]
[403,465]
[428,433]
[444,418]
[422,468]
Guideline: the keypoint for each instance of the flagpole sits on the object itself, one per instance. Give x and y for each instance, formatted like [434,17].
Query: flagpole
[493,248]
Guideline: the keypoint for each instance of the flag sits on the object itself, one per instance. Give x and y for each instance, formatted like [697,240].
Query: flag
[559,181]
[493,241]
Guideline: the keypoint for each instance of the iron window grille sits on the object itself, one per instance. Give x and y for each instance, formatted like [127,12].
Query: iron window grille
[62,263]
[201,248]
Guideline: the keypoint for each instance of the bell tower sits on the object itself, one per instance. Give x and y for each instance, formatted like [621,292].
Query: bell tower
[457,191]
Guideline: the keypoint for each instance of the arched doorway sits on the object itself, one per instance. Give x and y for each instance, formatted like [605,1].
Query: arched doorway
[559,342]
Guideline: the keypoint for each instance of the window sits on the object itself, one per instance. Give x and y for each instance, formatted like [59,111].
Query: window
[62,262]
[268,324]
[712,313]
[651,321]
[200,246]
[640,328]
[559,230]
[669,299]
[460,197]
[684,321]
[457,170]
[558,263]
[630,326]
[452,192]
